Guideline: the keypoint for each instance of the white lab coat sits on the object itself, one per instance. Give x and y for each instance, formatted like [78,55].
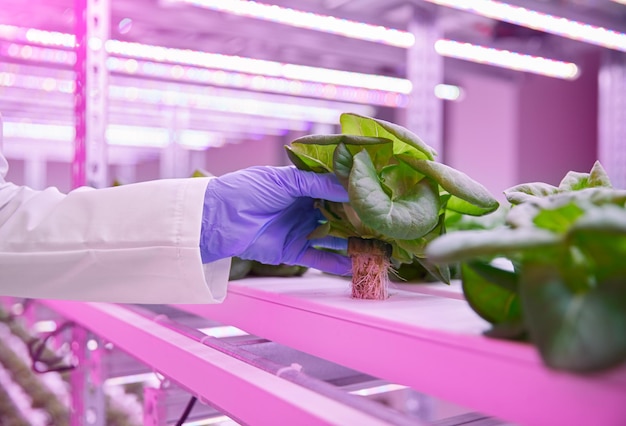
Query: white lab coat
[129,244]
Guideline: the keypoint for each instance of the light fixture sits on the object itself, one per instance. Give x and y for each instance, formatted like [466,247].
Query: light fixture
[203,59]
[51,132]
[308,20]
[231,71]
[255,83]
[116,134]
[283,112]
[540,21]
[258,66]
[148,379]
[507,59]
[448,92]
[223,331]
[620,1]
[375,390]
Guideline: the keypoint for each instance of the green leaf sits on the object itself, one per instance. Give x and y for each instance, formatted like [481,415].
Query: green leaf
[307,161]
[342,164]
[439,272]
[408,216]
[417,247]
[559,219]
[601,236]
[409,272]
[399,178]
[491,292]
[334,212]
[456,183]
[399,254]
[320,232]
[598,176]
[580,332]
[362,230]
[239,268]
[574,181]
[522,215]
[404,141]
[316,151]
[380,150]
[503,278]
[458,205]
[529,191]
[463,245]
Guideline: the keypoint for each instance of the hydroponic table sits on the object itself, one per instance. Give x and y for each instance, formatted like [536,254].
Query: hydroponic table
[425,337]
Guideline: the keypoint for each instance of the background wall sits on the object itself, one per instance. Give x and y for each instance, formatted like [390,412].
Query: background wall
[481,131]
[512,128]
[558,128]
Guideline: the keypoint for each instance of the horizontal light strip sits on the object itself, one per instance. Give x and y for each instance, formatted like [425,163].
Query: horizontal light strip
[540,21]
[378,390]
[221,420]
[257,83]
[263,82]
[208,60]
[204,99]
[154,137]
[223,331]
[620,1]
[148,379]
[308,20]
[258,67]
[507,59]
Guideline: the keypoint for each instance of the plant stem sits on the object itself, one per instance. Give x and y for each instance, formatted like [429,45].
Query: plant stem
[370,268]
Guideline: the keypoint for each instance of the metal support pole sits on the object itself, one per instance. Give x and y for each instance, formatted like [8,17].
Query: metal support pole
[174,158]
[154,408]
[35,172]
[86,380]
[612,116]
[425,70]
[90,96]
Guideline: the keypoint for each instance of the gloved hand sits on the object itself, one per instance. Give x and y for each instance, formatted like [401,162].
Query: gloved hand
[266,213]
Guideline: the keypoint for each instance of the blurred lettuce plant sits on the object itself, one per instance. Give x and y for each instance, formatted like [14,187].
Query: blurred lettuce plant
[565,289]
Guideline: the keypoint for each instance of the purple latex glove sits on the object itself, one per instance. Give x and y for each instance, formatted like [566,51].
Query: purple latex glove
[266,213]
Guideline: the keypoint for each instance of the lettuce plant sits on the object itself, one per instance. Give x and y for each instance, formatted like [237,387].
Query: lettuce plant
[564,288]
[399,196]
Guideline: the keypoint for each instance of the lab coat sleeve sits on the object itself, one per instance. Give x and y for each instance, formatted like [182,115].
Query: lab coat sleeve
[129,244]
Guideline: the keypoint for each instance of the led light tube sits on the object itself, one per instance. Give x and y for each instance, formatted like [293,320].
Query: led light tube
[269,106]
[256,83]
[205,60]
[155,137]
[448,92]
[149,379]
[378,389]
[258,67]
[223,331]
[540,21]
[308,20]
[507,59]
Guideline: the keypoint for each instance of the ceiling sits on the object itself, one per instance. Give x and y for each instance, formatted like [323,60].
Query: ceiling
[166,23]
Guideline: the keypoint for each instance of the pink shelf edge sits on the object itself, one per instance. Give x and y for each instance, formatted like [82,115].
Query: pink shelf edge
[499,378]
